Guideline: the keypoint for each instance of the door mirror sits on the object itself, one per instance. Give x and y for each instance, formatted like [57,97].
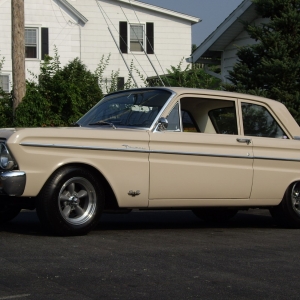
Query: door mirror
[162,124]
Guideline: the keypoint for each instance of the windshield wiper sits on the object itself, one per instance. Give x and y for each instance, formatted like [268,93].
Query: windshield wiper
[75,125]
[104,123]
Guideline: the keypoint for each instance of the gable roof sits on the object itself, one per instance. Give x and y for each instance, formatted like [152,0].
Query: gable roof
[83,19]
[72,9]
[225,33]
[136,3]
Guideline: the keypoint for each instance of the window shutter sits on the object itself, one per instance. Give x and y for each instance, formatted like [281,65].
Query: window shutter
[45,42]
[123,36]
[150,38]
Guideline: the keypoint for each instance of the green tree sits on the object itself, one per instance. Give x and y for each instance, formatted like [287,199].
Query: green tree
[6,115]
[271,66]
[58,96]
[188,77]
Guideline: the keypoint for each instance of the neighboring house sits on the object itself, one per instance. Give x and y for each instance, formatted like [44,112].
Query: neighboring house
[88,29]
[221,46]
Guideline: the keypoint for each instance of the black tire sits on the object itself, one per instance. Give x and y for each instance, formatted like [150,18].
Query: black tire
[8,212]
[71,202]
[287,213]
[215,214]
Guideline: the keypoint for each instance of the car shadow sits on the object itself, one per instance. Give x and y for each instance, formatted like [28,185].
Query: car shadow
[27,222]
[164,219]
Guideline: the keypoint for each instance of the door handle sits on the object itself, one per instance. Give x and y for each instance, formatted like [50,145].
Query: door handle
[246,141]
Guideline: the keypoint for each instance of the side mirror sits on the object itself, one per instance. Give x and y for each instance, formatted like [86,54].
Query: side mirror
[162,124]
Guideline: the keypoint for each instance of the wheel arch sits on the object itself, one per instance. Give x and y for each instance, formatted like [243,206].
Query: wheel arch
[111,202]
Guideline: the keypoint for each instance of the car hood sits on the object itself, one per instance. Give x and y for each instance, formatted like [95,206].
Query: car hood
[74,136]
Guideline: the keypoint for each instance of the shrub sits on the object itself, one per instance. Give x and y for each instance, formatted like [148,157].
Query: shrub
[58,96]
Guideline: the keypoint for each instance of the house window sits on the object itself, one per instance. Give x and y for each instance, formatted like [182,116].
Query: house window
[34,48]
[139,36]
[4,83]
[31,43]
[136,37]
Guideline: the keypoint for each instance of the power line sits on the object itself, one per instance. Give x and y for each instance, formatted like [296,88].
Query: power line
[101,10]
[143,47]
[126,42]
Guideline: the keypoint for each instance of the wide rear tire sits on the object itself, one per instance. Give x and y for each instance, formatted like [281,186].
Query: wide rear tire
[287,213]
[71,202]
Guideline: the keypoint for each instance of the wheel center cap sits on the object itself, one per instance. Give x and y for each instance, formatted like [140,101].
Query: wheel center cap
[74,200]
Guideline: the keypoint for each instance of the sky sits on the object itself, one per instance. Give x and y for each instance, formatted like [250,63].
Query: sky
[211,12]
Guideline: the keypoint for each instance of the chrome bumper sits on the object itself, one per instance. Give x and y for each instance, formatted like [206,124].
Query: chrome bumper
[12,183]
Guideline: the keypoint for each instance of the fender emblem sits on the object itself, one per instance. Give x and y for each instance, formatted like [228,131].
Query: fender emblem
[137,148]
[134,193]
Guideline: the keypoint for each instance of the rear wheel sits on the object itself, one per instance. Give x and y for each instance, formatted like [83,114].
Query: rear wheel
[71,202]
[215,214]
[287,213]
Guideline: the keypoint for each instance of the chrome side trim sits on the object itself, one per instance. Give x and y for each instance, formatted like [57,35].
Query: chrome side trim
[276,158]
[133,149]
[199,154]
[128,148]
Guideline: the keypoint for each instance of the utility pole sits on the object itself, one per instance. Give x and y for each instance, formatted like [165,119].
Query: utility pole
[18,51]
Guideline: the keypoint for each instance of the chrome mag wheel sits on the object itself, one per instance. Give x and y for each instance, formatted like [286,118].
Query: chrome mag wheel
[77,200]
[295,198]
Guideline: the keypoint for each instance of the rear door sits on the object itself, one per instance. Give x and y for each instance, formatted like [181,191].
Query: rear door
[276,154]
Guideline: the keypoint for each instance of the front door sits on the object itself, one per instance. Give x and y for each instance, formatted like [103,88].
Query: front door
[201,154]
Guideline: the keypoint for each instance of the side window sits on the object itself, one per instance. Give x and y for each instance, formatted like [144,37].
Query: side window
[258,121]
[173,119]
[224,120]
[188,123]
[203,115]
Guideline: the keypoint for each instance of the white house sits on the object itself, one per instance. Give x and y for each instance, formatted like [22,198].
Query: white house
[88,29]
[221,46]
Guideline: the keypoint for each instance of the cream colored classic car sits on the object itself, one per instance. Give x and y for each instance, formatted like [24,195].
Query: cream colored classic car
[212,152]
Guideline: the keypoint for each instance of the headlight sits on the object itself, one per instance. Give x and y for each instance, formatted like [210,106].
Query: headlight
[6,161]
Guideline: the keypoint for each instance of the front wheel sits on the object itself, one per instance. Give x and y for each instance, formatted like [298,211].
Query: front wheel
[71,202]
[215,214]
[287,213]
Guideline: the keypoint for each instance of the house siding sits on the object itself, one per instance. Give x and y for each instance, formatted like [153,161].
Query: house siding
[91,40]
[5,38]
[229,56]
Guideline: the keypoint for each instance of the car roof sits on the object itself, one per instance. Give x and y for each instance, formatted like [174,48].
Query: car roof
[277,107]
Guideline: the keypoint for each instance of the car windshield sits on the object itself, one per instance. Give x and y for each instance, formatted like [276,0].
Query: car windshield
[130,108]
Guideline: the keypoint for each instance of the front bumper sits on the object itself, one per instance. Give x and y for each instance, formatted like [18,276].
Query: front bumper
[12,183]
